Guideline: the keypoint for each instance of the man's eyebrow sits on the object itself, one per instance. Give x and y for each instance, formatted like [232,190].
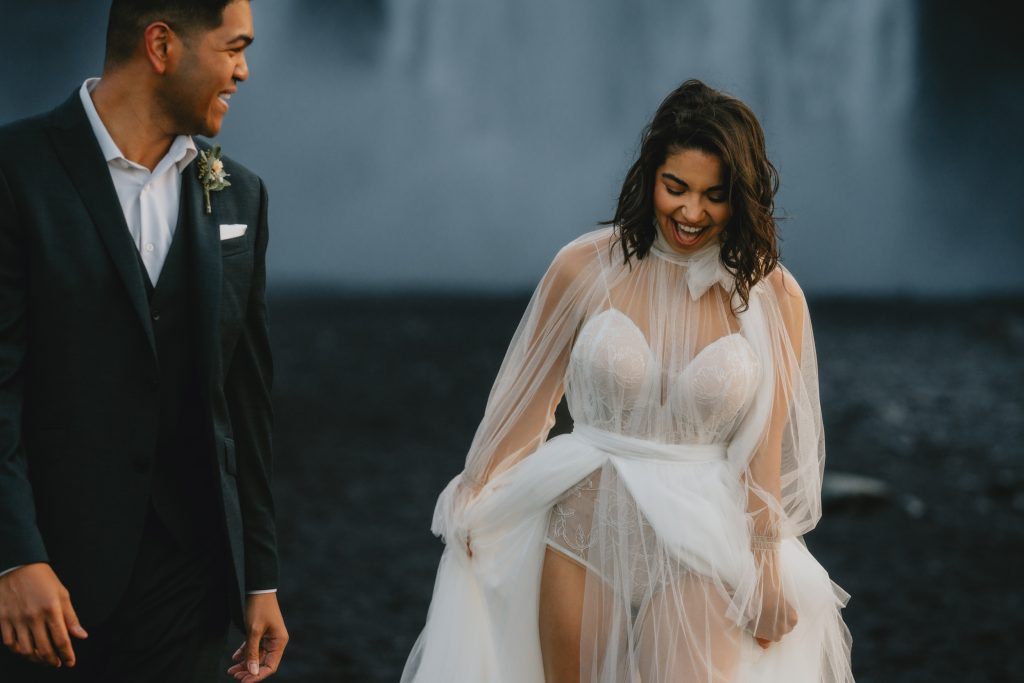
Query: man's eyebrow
[244,37]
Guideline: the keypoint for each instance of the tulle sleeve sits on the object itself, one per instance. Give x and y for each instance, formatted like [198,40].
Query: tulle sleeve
[521,405]
[779,449]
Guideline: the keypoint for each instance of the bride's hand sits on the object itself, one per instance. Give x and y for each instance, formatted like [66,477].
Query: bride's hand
[467,495]
[777,618]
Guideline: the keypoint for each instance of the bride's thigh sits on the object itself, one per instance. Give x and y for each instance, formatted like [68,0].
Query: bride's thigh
[686,636]
[562,587]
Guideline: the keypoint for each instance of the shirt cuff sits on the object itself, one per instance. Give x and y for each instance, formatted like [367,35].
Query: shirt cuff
[261,592]
[8,571]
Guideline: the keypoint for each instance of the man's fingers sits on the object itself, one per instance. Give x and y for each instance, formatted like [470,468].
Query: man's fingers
[7,632]
[61,640]
[273,659]
[273,652]
[26,646]
[71,620]
[252,651]
[43,644]
[22,641]
[269,661]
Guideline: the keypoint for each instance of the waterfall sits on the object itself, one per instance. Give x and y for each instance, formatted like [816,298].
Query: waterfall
[458,143]
[487,133]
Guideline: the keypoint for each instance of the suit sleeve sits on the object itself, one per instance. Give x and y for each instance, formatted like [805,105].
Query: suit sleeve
[20,540]
[247,388]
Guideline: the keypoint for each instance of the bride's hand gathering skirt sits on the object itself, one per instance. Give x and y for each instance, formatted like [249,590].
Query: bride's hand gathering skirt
[672,583]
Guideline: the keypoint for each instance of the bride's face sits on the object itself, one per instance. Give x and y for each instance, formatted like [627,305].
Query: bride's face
[691,202]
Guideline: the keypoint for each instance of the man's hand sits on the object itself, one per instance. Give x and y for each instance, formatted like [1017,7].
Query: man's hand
[36,616]
[266,638]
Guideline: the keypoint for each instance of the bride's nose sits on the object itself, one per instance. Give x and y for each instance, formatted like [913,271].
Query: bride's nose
[691,214]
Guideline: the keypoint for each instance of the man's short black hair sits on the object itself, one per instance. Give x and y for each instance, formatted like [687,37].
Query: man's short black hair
[129,18]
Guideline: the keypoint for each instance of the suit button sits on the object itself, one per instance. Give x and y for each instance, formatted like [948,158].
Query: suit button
[155,315]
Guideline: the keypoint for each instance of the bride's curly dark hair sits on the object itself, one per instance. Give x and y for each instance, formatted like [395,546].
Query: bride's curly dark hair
[697,117]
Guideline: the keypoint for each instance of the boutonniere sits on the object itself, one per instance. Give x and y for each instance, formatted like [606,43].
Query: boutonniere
[211,174]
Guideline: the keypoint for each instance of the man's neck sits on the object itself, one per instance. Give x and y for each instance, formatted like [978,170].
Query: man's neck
[133,120]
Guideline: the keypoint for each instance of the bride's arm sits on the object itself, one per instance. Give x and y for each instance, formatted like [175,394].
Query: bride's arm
[521,405]
[783,475]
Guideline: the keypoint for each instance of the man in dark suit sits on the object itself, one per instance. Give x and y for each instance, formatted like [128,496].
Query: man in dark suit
[135,369]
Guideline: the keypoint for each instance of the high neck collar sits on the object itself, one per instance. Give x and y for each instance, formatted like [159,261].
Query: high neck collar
[662,249]
[704,266]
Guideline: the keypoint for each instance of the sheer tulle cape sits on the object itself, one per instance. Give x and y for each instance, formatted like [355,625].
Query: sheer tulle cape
[700,432]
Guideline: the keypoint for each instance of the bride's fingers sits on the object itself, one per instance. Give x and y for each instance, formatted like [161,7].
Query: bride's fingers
[763,643]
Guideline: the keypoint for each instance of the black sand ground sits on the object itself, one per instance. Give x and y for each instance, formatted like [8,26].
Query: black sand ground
[377,399]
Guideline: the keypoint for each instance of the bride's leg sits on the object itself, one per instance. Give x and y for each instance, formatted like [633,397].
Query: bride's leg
[562,586]
[685,635]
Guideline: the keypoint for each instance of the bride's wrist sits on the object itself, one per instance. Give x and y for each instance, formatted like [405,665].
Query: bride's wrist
[764,542]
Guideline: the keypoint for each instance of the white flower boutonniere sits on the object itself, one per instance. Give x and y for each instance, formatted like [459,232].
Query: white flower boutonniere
[211,174]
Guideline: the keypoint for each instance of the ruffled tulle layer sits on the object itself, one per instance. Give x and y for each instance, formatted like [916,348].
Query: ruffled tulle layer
[673,586]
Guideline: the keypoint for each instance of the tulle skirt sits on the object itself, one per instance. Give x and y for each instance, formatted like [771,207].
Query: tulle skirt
[671,582]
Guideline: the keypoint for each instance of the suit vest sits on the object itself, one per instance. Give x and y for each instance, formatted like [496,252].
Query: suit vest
[184,492]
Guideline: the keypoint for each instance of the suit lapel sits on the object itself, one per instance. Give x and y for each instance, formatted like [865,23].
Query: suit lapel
[204,247]
[80,153]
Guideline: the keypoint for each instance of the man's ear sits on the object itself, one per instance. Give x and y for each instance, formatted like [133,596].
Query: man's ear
[161,45]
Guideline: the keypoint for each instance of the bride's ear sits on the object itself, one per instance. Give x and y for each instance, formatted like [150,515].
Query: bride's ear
[161,45]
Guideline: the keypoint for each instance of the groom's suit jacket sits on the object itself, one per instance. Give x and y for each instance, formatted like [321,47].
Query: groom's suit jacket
[80,376]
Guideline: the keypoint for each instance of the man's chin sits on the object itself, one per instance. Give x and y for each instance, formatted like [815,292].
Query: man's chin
[210,129]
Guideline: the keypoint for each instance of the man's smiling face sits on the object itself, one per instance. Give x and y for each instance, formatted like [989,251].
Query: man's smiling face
[205,75]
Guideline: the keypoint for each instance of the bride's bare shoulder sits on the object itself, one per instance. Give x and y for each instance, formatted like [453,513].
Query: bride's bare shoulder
[789,298]
[784,286]
[585,250]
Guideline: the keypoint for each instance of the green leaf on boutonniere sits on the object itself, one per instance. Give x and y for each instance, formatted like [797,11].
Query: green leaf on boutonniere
[212,174]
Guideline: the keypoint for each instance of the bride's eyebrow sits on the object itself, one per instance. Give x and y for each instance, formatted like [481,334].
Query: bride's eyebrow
[713,188]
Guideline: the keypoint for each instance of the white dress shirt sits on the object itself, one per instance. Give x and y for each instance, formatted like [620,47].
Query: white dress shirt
[149,199]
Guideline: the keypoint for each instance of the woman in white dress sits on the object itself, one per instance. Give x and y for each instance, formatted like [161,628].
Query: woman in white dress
[660,540]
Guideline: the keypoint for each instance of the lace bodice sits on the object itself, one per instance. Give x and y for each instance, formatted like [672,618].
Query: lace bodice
[696,457]
[660,348]
[616,382]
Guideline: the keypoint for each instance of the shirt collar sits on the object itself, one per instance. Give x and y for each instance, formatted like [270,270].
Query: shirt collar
[182,152]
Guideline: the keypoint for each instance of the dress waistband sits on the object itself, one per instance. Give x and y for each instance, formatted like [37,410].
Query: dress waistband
[624,446]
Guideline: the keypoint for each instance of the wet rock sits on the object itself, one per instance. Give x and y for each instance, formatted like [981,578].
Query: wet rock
[913,506]
[1005,485]
[853,492]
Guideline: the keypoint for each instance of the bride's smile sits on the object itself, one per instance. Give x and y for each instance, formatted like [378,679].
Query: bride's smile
[690,199]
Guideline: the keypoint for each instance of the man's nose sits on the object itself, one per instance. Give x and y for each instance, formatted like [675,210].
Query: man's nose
[241,70]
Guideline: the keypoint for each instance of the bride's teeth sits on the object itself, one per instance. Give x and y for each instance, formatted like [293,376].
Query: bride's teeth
[689,230]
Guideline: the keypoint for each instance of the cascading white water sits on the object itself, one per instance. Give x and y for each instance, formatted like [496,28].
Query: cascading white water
[459,143]
[483,134]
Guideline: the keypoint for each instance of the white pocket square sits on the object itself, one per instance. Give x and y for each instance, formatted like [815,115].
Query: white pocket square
[233,230]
